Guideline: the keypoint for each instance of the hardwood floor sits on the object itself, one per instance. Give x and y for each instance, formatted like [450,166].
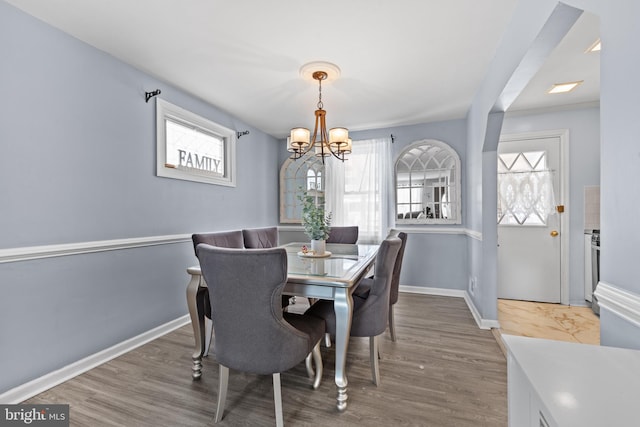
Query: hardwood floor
[442,371]
[550,321]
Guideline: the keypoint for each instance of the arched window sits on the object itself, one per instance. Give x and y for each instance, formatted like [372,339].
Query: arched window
[428,184]
[306,173]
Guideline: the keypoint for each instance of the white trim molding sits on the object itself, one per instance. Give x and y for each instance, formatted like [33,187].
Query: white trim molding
[52,379]
[49,251]
[619,302]
[411,230]
[482,322]
[442,292]
[430,230]
[458,293]
[477,235]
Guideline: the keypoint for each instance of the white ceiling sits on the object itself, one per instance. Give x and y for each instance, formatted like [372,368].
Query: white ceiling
[401,63]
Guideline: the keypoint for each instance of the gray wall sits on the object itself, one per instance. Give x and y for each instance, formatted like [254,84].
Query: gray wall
[78,165]
[432,258]
[619,164]
[527,21]
[584,170]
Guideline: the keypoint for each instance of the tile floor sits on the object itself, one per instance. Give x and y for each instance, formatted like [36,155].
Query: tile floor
[550,321]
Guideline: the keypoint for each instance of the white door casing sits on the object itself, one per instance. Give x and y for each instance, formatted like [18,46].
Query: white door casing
[531,260]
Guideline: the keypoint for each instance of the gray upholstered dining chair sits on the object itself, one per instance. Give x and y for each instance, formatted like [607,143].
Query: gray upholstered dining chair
[364,286]
[347,234]
[256,238]
[267,237]
[258,338]
[370,313]
[223,239]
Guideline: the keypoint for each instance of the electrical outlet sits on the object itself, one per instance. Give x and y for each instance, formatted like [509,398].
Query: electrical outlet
[473,282]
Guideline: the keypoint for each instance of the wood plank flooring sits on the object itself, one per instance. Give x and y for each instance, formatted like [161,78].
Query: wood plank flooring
[443,371]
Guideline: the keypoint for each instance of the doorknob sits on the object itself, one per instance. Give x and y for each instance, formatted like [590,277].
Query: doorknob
[554,233]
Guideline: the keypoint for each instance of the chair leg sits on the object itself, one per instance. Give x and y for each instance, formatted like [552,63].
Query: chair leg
[277,399]
[309,366]
[222,392]
[373,358]
[327,340]
[317,359]
[208,335]
[392,324]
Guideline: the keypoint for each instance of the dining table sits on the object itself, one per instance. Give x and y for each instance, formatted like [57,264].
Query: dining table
[331,276]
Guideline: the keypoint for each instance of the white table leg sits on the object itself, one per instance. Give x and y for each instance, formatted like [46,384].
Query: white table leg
[343,307]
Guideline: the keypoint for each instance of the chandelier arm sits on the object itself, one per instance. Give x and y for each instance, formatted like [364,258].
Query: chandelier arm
[312,141]
[337,156]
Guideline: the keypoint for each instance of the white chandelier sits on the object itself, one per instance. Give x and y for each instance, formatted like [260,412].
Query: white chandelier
[336,142]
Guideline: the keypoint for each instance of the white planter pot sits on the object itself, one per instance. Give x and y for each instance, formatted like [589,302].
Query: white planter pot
[318,246]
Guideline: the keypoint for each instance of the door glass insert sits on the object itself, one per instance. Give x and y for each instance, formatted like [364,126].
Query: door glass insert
[525,188]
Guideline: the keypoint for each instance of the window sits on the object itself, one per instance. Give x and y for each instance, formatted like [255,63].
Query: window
[193,148]
[358,190]
[305,173]
[428,184]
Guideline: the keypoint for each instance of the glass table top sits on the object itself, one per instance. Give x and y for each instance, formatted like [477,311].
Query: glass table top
[345,264]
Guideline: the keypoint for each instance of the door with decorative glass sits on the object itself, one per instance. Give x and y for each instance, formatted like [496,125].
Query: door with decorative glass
[529,244]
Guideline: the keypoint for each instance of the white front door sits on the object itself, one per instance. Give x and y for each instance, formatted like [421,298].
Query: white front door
[529,234]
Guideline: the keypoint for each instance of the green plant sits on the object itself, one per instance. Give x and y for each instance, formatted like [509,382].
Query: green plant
[316,223]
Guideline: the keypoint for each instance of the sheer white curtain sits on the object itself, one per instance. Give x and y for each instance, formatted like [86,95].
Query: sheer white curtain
[358,192]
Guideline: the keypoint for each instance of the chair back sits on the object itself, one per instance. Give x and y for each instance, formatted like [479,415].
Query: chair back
[373,313]
[245,290]
[395,279]
[256,238]
[223,239]
[348,234]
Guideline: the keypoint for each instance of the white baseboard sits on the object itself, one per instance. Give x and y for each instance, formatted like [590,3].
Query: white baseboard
[443,292]
[458,293]
[619,302]
[38,385]
[482,323]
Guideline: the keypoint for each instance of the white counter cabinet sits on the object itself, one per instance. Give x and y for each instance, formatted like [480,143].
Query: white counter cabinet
[561,384]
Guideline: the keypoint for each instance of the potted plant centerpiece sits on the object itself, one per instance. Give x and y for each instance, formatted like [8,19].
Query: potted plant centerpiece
[316,223]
